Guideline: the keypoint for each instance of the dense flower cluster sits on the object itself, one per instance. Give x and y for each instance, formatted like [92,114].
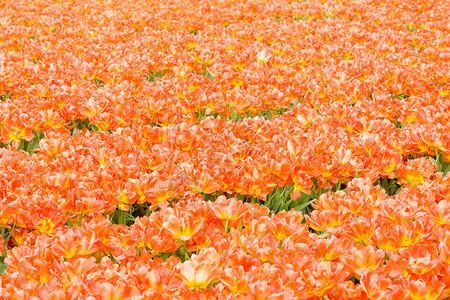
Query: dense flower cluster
[118,119]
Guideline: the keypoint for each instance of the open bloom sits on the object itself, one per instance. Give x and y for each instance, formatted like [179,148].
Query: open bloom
[183,229]
[263,57]
[227,209]
[75,243]
[201,270]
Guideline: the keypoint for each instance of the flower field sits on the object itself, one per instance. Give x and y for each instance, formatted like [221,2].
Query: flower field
[224,149]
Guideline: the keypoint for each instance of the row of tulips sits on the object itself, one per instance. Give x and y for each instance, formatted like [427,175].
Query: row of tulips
[118,67]
[392,247]
[226,149]
[93,173]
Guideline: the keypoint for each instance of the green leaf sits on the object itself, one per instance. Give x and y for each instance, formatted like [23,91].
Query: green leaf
[206,73]
[400,96]
[6,95]
[411,28]
[78,124]
[303,206]
[304,18]
[3,268]
[151,76]
[99,83]
[34,144]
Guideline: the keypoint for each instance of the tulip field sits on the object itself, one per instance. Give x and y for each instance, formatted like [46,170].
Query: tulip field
[224,149]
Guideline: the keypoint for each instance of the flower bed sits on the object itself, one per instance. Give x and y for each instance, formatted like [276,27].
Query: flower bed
[226,149]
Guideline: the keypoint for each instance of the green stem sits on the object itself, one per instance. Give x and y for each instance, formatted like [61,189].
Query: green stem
[120,217]
[226,226]
[338,185]
[438,165]
[186,256]
[79,220]
[385,184]
[8,236]
[153,115]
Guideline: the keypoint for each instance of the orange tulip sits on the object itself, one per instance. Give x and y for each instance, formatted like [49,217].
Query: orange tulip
[377,285]
[227,209]
[263,57]
[444,248]
[116,291]
[439,212]
[327,219]
[415,171]
[417,259]
[74,243]
[287,225]
[322,278]
[360,230]
[235,280]
[362,259]
[384,239]
[329,249]
[183,229]
[158,241]
[426,289]
[201,270]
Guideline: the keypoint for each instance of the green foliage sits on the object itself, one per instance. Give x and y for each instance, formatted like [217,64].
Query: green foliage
[68,223]
[98,82]
[213,197]
[30,146]
[389,185]
[6,232]
[416,50]
[400,96]
[78,124]
[353,17]
[411,28]
[398,124]
[205,73]
[151,76]
[181,253]
[327,16]
[267,114]
[439,84]
[354,280]
[141,210]
[128,217]
[6,235]
[6,95]
[200,113]
[279,199]
[304,18]
[441,165]
[3,266]
[122,217]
